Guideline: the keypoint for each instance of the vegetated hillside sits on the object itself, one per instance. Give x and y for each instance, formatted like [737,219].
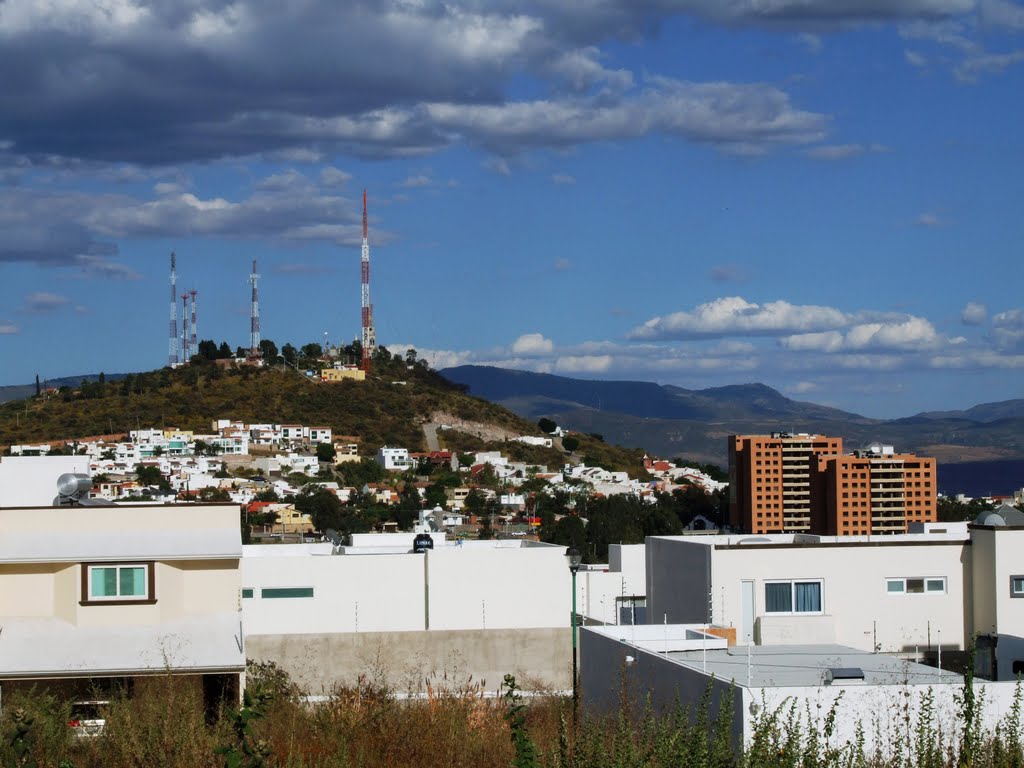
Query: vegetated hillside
[672,421]
[389,407]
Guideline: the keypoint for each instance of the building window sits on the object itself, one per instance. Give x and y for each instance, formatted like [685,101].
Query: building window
[248,592]
[285,592]
[118,583]
[792,596]
[1017,586]
[916,586]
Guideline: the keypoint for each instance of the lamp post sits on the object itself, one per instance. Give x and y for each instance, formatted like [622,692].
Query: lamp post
[573,556]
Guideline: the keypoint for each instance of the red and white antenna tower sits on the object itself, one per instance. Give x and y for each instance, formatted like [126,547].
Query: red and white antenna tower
[254,317]
[369,339]
[184,328]
[195,343]
[172,346]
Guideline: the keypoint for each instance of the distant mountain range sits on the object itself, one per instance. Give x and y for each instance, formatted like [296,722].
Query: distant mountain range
[673,421]
[21,391]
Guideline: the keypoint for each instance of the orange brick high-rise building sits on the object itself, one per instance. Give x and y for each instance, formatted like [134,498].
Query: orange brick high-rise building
[801,483]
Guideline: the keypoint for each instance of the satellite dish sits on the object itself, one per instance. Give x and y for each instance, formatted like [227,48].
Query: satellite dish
[334,537]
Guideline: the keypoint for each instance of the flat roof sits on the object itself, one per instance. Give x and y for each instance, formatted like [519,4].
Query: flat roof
[398,548]
[956,534]
[778,666]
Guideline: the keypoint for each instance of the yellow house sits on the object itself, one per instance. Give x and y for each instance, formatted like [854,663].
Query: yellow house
[98,593]
[340,374]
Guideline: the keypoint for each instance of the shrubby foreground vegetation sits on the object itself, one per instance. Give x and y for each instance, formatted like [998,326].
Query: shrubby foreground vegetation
[165,724]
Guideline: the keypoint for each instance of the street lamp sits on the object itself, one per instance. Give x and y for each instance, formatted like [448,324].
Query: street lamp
[574,558]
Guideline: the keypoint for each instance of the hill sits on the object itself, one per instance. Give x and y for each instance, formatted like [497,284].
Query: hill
[696,423]
[390,408]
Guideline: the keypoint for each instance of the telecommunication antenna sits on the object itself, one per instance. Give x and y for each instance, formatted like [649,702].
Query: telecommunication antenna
[369,338]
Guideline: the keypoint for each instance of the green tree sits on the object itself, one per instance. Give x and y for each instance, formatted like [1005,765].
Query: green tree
[224,351]
[289,353]
[546,425]
[207,349]
[268,349]
[325,453]
[570,444]
[311,351]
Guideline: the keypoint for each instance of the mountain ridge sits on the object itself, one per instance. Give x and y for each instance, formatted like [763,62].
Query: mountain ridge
[672,420]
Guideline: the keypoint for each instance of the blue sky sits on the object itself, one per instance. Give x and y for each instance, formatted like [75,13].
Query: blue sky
[821,195]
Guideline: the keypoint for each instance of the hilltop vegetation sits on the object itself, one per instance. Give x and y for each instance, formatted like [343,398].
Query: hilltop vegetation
[389,408]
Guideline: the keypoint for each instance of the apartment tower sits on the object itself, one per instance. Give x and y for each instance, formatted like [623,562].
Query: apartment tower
[876,491]
[770,481]
[799,483]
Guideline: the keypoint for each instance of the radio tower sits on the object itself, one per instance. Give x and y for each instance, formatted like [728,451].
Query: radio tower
[184,328]
[254,317]
[195,344]
[369,338]
[172,346]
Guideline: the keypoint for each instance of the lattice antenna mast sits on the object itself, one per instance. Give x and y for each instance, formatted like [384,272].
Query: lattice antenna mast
[254,316]
[184,328]
[369,339]
[195,343]
[172,344]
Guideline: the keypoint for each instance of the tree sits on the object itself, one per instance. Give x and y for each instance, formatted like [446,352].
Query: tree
[325,453]
[207,349]
[570,444]
[311,351]
[410,356]
[466,459]
[268,349]
[546,425]
[224,351]
[289,353]
[436,496]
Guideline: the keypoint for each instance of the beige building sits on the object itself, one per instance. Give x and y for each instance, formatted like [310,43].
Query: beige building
[99,594]
[340,374]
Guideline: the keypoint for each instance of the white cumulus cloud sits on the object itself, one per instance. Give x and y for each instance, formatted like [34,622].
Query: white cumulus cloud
[532,344]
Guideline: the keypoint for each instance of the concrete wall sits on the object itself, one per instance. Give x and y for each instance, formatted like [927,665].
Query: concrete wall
[541,659]
[678,580]
[608,681]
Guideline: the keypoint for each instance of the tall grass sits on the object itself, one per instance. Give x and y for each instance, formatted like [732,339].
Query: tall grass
[165,723]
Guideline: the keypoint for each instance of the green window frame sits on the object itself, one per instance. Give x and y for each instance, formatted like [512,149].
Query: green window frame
[272,593]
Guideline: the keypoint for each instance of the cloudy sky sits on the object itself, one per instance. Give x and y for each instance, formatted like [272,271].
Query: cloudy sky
[821,195]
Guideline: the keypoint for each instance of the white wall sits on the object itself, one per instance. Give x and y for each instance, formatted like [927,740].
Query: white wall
[352,593]
[31,481]
[450,588]
[857,610]
[854,593]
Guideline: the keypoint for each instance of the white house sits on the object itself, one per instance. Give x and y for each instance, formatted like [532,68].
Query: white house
[901,594]
[394,459]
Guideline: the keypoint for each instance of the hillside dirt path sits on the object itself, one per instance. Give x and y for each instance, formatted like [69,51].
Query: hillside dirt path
[487,432]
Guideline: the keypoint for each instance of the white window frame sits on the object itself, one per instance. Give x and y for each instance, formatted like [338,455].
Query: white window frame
[902,580]
[792,596]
